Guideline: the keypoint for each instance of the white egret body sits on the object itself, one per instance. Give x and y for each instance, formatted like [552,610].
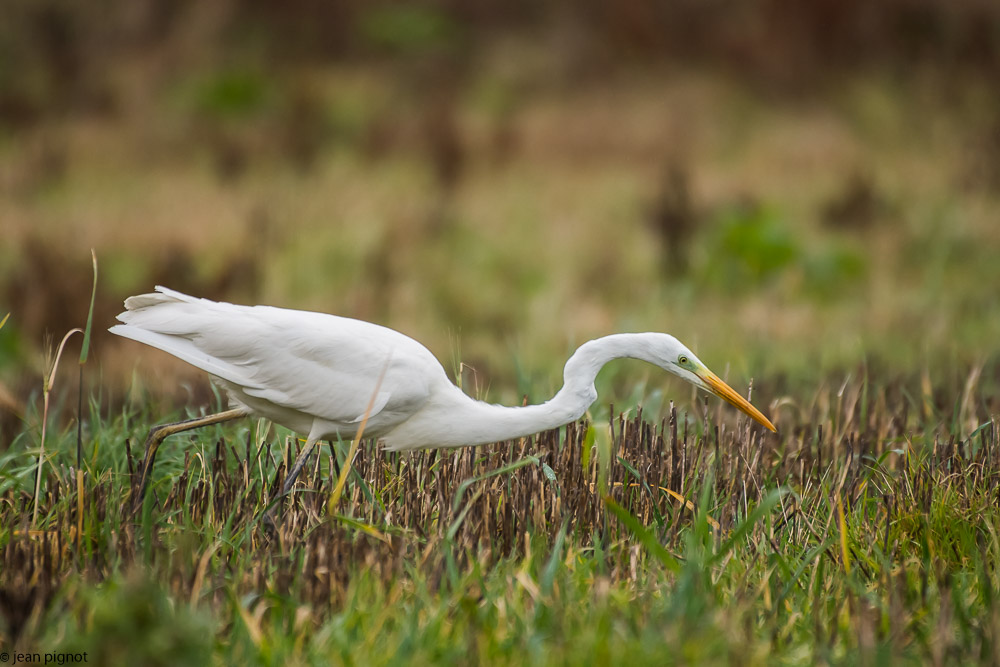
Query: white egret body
[317,374]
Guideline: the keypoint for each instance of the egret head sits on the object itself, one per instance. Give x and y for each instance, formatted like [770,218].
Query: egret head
[678,359]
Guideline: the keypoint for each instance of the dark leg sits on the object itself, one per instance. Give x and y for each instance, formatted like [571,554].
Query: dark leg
[158,433]
[270,525]
[300,462]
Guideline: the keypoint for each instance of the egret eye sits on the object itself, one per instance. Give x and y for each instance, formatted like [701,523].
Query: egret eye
[682,360]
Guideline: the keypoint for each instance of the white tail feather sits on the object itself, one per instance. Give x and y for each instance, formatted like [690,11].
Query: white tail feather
[171,321]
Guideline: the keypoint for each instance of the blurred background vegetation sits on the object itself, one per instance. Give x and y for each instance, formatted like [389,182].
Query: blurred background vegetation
[790,188]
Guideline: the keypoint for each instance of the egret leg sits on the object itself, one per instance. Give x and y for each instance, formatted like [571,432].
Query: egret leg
[270,525]
[300,462]
[157,435]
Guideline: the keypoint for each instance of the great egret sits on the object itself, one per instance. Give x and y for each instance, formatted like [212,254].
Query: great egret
[322,375]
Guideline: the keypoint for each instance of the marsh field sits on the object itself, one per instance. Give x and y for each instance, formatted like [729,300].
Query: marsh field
[807,195]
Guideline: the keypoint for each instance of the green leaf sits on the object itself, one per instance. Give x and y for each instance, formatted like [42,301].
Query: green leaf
[657,516]
[520,463]
[644,535]
[90,313]
[552,566]
[744,527]
[588,445]
[361,526]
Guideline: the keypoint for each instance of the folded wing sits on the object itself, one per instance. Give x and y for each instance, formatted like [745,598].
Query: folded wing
[322,365]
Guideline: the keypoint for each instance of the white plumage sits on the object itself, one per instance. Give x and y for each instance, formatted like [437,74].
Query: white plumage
[317,374]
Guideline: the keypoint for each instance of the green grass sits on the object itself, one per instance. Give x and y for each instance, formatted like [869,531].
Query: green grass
[867,530]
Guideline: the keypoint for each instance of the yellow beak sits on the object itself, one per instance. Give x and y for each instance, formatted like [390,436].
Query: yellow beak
[726,393]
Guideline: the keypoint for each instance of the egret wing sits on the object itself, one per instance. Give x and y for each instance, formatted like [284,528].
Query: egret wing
[335,368]
[322,365]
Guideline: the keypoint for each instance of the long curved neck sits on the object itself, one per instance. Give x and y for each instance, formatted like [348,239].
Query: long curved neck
[583,366]
[482,422]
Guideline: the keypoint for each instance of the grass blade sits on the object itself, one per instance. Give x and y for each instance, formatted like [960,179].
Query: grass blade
[644,535]
[510,467]
[744,527]
[90,313]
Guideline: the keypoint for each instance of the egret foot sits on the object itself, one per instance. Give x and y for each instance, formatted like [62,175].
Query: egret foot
[158,434]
